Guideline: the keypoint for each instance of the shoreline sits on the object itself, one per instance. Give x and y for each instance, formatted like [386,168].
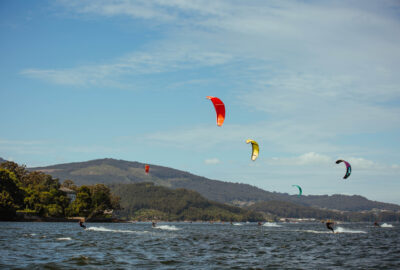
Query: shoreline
[70,219]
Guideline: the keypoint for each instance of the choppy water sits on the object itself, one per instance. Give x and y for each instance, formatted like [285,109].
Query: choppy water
[198,246]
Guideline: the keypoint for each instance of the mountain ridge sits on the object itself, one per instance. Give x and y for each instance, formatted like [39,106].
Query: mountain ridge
[111,171]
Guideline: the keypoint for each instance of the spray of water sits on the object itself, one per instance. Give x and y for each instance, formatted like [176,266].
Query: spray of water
[167,227]
[103,229]
[337,230]
[64,239]
[344,230]
[271,224]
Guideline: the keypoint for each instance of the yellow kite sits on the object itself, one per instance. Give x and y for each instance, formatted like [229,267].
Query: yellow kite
[256,149]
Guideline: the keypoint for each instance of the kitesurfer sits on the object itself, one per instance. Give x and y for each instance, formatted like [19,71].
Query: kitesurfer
[259,223]
[81,224]
[376,224]
[153,224]
[329,225]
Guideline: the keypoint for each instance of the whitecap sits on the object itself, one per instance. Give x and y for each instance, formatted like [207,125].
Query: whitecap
[312,231]
[344,230]
[100,229]
[237,224]
[167,227]
[64,239]
[337,230]
[103,229]
[271,224]
[385,225]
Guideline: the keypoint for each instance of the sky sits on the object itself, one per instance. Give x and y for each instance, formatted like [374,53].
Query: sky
[310,81]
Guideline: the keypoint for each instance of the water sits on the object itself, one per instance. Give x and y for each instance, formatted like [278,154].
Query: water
[198,246]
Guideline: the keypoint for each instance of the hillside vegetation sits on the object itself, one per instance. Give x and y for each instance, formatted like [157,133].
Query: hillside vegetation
[111,171]
[145,201]
[291,210]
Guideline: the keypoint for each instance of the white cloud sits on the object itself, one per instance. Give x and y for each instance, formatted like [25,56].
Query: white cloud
[212,161]
[159,10]
[98,149]
[24,147]
[166,58]
[286,135]
[324,104]
[135,9]
[6,142]
[193,137]
[310,158]
[306,49]
[37,147]
[361,163]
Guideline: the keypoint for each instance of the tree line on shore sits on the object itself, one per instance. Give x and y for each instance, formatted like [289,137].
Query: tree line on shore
[288,209]
[38,194]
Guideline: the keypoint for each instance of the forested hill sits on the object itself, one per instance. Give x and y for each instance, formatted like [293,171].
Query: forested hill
[291,210]
[145,201]
[111,171]
[2,160]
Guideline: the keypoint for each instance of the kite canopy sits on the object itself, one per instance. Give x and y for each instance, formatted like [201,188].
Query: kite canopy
[255,149]
[300,190]
[219,109]
[146,168]
[348,167]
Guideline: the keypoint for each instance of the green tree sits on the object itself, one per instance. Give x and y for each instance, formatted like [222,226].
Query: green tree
[11,196]
[19,171]
[82,205]
[101,197]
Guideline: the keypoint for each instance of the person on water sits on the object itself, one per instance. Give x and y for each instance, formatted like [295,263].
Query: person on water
[376,224]
[153,224]
[329,225]
[81,224]
[259,223]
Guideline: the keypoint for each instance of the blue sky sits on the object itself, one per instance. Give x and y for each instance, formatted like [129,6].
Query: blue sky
[311,81]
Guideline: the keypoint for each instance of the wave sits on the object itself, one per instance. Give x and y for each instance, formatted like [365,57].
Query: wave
[337,230]
[385,225]
[167,227]
[271,224]
[312,231]
[29,234]
[64,239]
[343,230]
[237,224]
[103,229]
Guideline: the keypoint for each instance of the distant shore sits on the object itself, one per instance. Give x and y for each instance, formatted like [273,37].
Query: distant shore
[69,219]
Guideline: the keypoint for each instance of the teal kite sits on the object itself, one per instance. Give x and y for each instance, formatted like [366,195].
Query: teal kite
[300,190]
